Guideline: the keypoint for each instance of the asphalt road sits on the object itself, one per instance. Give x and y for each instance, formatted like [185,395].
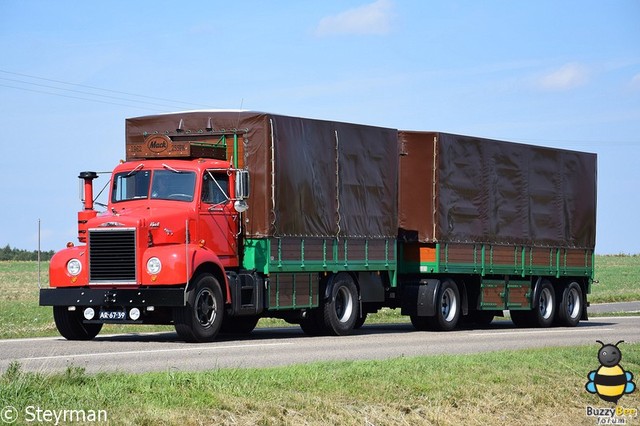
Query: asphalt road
[285,346]
[628,307]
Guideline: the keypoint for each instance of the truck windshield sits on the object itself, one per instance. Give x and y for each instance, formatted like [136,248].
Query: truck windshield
[156,184]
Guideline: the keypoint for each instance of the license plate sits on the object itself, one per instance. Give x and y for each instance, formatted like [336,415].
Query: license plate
[112,315]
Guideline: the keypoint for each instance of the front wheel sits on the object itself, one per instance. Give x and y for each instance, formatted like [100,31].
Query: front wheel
[71,326]
[201,319]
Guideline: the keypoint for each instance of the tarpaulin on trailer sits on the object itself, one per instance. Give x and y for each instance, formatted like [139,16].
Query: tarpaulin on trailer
[465,189]
[309,178]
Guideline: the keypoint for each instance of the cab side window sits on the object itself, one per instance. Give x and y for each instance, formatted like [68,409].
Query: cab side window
[215,188]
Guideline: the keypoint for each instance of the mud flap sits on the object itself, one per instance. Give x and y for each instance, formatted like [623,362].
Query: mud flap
[420,299]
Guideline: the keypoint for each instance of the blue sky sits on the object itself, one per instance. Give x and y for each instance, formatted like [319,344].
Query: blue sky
[555,73]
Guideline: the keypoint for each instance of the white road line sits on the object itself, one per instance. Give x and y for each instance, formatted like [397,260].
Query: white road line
[101,336]
[151,351]
[541,331]
[30,339]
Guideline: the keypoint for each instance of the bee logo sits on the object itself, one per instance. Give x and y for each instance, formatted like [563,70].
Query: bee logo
[610,381]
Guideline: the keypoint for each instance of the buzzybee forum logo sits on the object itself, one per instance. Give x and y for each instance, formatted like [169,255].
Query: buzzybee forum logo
[610,381]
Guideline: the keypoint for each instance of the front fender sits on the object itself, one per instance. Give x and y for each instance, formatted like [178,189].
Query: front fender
[206,260]
[174,263]
[58,275]
[173,271]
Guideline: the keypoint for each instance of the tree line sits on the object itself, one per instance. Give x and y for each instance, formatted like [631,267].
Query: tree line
[9,253]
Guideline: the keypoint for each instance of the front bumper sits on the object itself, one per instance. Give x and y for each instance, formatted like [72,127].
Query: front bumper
[159,297]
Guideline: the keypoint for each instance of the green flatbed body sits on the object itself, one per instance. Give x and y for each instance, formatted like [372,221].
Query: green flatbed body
[295,265]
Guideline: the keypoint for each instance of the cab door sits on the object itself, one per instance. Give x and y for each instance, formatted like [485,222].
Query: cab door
[218,219]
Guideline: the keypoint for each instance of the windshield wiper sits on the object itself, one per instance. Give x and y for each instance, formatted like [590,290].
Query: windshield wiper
[168,167]
[136,170]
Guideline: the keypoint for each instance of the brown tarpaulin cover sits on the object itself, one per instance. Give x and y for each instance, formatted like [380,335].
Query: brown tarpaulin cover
[323,185]
[465,189]
[444,188]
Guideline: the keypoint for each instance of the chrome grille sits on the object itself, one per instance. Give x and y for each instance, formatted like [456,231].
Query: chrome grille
[112,255]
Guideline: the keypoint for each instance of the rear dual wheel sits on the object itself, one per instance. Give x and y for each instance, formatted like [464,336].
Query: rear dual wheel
[570,306]
[339,314]
[448,309]
[544,312]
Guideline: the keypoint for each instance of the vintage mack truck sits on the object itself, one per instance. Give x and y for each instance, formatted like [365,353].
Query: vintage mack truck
[219,218]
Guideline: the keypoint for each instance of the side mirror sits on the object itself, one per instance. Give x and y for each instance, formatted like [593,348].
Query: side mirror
[242,191]
[242,184]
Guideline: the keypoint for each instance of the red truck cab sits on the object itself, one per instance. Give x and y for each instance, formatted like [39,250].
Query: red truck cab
[167,221]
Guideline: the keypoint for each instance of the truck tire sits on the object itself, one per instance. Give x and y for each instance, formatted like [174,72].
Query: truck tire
[545,311]
[70,325]
[201,319]
[570,306]
[448,307]
[239,325]
[341,311]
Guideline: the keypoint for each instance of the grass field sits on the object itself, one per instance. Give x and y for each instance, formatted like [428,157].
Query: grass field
[20,315]
[501,388]
[619,279]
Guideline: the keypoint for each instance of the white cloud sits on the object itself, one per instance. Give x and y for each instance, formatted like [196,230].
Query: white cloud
[635,81]
[373,18]
[567,77]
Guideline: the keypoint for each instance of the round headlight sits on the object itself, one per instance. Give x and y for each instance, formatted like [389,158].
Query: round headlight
[154,265]
[74,267]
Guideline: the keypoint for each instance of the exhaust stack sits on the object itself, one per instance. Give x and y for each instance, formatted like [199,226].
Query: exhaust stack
[88,212]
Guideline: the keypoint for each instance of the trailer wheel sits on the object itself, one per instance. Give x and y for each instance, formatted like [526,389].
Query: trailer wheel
[543,315]
[448,307]
[340,312]
[70,325]
[239,325]
[201,319]
[570,306]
